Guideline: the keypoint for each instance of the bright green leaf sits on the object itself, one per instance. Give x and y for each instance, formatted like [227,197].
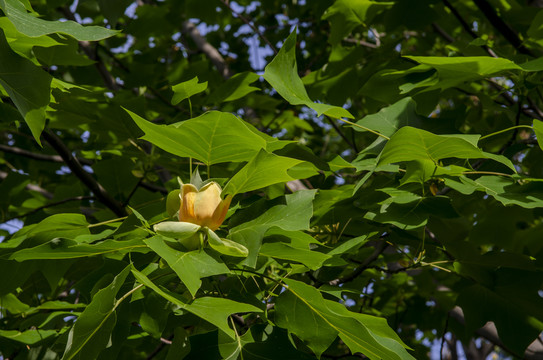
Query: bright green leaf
[187,89]
[282,74]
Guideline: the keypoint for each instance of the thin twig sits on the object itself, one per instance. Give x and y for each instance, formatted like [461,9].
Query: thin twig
[37,156]
[101,194]
[75,198]
[251,25]
[340,133]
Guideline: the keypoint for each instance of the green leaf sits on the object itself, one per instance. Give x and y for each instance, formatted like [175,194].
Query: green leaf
[69,249]
[506,191]
[27,85]
[64,54]
[517,325]
[187,89]
[409,144]
[28,337]
[235,88]
[113,10]
[214,310]
[189,266]
[180,346]
[282,74]
[303,311]
[214,137]
[420,171]
[291,213]
[538,129]
[217,310]
[452,71]
[92,330]
[280,250]
[263,170]
[225,246]
[34,27]
[346,15]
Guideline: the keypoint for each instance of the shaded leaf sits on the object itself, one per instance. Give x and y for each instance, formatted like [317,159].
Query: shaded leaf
[292,214]
[186,89]
[189,266]
[34,27]
[282,74]
[27,85]
[303,311]
[263,170]
[409,144]
[212,138]
[92,330]
[235,88]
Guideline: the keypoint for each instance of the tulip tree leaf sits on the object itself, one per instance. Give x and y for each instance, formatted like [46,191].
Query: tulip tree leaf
[409,144]
[280,250]
[214,310]
[92,330]
[214,137]
[35,27]
[186,89]
[235,88]
[292,213]
[263,170]
[538,129]
[189,266]
[303,311]
[345,15]
[70,249]
[506,191]
[27,85]
[452,71]
[282,74]
[28,337]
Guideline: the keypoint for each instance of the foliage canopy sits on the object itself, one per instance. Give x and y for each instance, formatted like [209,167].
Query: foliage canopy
[381,158]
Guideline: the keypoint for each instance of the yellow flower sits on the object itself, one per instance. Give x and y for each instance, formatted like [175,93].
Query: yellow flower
[203,207]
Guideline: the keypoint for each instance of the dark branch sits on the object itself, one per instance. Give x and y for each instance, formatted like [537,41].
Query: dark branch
[466,26]
[508,33]
[38,156]
[33,211]
[212,53]
[489,332]
[31,187]
[379,248]
[251,25]
[101,194]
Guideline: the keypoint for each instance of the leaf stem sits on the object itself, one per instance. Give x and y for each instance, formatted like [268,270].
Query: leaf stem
[365,128]
[107,222]
[504,130]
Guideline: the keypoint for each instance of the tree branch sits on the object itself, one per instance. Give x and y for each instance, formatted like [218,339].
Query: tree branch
[31,187]
[508,33]
[101,194]
[211,52]
[489,332]
[251,25]
[38,156]
[92,54]
[379,248]
[466,26]
[76,198]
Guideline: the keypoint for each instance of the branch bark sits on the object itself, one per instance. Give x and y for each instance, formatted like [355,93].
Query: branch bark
[508,33]
[211,52]
[31,187]
[101,194]
[489,332]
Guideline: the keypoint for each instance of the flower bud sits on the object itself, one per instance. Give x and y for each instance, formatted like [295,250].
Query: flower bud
[203,207]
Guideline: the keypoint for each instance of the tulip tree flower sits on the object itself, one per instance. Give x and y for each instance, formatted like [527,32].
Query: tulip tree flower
[201,212]
[203,207]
